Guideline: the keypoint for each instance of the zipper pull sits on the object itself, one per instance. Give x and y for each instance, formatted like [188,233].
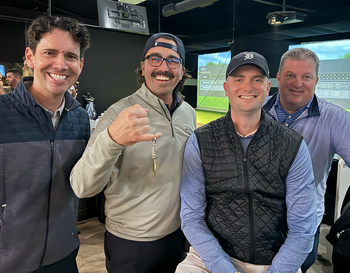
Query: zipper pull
[154,156]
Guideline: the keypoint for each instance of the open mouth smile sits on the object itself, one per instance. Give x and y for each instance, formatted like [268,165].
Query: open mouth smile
[162,78]
[247,97]
[58,77]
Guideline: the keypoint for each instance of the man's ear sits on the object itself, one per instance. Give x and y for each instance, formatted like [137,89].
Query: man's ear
[30,57]
[182,72]
[278,76]
[225,88]
[268,88]
[142,64]
[81,63]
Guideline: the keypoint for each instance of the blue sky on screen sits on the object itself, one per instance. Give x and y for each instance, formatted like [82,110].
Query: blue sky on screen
[329,50]
[224,57]
[2,70]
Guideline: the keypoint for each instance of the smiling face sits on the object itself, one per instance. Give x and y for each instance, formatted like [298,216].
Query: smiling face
[296,83]
[246,88]
[162,80]
[56,63]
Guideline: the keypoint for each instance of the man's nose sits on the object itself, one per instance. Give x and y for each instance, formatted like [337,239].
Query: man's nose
[164,64]
[248,86]
[298,82]
[60,62]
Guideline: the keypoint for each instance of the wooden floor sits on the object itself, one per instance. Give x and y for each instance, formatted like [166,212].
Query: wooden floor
[91,256]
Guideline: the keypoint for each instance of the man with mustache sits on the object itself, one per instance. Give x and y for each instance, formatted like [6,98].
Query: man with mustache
[136,151]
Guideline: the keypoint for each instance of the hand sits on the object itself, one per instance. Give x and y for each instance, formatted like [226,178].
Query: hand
[131,126]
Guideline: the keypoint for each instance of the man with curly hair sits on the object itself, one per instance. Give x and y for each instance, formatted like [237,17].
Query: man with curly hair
[43,134]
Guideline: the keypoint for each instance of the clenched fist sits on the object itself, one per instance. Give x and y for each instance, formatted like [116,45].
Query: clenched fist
[131,126]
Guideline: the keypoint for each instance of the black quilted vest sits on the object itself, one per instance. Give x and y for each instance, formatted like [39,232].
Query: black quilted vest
[246,208]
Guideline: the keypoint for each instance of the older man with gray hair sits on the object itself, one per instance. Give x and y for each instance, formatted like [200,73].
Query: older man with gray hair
[324,126]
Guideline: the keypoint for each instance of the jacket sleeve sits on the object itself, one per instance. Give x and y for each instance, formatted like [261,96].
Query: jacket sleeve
[301,215]
[193,204]
[91,173]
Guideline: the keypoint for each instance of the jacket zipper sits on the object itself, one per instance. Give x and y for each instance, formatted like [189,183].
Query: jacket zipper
[170,120]
[49,200]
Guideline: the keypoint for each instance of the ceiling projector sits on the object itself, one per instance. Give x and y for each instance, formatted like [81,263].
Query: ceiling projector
[285,17]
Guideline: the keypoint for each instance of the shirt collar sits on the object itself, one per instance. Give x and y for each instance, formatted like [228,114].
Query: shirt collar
[278,103]
[175,103]
[58,111]
[248,135]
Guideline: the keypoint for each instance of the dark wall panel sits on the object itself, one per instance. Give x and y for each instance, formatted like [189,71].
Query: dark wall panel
[109,66]
[13,42]
[190,91]
[271,50]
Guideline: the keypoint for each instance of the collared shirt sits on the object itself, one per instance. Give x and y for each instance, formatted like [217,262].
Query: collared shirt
[55,116]
[175,103]
[248,135]
[301,218]
[326,130]
[284,117]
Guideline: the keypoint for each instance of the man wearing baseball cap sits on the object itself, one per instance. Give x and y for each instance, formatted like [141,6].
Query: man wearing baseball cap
[248,193]
[136,151]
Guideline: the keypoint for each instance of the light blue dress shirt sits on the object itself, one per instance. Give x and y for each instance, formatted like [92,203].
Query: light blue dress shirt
[301,212]
[326,131]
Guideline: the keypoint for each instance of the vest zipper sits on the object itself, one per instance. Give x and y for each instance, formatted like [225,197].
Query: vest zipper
[252,245]
[49,201]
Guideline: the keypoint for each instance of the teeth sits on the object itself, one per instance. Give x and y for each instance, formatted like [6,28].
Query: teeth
[162,78]
[58,77]
[247,97]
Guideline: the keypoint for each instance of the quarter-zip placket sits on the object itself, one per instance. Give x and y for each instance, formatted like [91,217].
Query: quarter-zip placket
[169,119]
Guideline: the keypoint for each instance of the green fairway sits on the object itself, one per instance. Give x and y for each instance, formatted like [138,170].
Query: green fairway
[204,116]
[220,103]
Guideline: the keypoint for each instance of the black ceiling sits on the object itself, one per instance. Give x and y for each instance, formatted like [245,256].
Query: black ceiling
[212,27]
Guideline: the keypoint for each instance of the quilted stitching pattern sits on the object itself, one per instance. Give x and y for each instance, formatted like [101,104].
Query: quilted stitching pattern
[240,202]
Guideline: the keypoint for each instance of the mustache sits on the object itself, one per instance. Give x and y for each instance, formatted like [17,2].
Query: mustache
[163,73]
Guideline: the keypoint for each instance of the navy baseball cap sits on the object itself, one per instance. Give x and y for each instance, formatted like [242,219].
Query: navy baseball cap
[245,58]
[152,42]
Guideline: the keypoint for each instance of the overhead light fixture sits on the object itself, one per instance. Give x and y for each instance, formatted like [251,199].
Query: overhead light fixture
[285,17]
[132,2]
[172,8]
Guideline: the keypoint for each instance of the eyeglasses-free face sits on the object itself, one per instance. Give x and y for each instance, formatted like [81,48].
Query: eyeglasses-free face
[157,61]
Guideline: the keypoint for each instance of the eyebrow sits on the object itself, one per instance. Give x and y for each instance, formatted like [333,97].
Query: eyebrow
[307,73]
[55,50]
[158,55]
[256,76]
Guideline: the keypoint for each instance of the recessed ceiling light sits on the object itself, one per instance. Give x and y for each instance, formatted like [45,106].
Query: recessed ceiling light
[132,2]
